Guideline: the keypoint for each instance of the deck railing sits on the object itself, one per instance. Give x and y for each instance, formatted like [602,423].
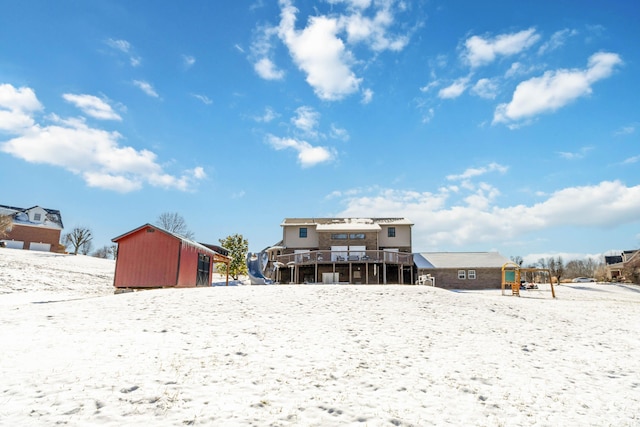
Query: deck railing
[345,257]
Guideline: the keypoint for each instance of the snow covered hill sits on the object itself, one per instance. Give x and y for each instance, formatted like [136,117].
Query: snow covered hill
[72,352]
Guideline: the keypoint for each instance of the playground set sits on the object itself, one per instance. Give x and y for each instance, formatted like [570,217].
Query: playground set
[512,275]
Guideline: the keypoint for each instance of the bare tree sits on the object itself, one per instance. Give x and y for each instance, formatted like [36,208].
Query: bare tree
[517,259]
[5,225]
[106,252]
[556,267]
[86,247]
[103,252]
[77,238]
[175,223]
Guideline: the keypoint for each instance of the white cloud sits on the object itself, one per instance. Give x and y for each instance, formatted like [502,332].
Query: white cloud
[268,116]
[203,98]
[631,160]
[146,88]
[626,130]
[440,222]
[428,116]
[188,61]
[126,48]
[323,48]
[474,172]
[92,106]
[515,69]
[575,155]
[429,86]
[455,89]
[17,107]
[356,4]
[555,89]
[339,133]
[557,40]
[485,88]
[94,154]
[306,119]
[373,31]
[320,53]
[268,70]
[481,51]
[308,155]
[367,96]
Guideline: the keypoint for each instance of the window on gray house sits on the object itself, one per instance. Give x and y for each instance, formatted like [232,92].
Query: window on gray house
[303,232]
[391,232]
[462,274]
[471,274]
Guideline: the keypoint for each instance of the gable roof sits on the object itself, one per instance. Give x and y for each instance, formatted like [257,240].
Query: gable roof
[459,260]
[53,216]
[184,240]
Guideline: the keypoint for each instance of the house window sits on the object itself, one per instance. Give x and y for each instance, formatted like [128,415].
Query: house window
[356,236]
[462,274]
[391,232]
[471,274]
[37,217]
[303,232]
[339,236]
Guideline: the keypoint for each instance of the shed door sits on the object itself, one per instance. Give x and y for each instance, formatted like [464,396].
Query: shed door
[204,262]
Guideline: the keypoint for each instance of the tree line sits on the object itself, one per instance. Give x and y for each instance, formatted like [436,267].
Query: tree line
[587,267]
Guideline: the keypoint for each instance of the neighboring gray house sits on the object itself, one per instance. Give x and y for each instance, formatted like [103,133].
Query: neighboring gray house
[462,270]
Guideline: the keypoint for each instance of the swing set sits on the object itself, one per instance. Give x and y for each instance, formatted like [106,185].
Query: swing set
[512,274]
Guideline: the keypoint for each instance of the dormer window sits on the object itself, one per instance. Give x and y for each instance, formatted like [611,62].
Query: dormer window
[37,217]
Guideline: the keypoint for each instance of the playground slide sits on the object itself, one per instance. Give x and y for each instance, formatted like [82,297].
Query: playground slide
[254,269]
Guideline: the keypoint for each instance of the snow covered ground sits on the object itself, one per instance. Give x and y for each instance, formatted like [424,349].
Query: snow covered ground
[72,352]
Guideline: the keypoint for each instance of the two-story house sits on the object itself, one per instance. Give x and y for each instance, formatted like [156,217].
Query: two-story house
[34,228]
[342,250]
[623,267]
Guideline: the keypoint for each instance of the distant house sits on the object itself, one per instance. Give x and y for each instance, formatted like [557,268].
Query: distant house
[151,257]
[342,250]
[462,270]
[625,266]
[35,228]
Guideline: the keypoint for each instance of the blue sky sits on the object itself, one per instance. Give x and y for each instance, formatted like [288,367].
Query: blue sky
[491,125]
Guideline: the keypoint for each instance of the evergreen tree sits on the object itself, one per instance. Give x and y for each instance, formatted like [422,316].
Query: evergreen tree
[238,248]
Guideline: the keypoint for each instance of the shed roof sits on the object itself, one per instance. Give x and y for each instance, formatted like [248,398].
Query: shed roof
[459,260]
[183,239]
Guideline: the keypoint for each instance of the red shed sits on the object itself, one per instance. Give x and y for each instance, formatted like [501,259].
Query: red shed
[151,257]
